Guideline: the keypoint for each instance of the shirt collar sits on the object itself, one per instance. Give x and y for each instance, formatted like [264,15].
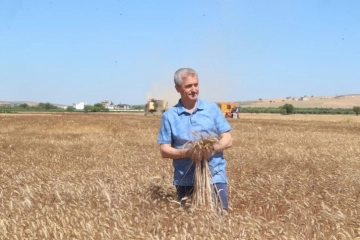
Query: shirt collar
[180,108]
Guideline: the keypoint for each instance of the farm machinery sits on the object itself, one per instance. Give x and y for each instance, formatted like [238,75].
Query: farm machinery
[229,109]
[155,106]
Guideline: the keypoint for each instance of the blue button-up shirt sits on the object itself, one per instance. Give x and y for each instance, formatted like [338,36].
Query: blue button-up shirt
[178,127]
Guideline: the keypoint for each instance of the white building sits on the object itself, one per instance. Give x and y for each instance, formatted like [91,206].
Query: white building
[108,104]
[79,106]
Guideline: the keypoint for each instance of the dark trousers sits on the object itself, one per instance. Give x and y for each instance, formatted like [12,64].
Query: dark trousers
[220,190]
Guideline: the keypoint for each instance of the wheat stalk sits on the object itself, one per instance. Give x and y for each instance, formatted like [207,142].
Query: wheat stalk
[203,192]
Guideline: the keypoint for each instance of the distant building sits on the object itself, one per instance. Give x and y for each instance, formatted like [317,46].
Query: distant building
[123,106]
[79,106]
[108,104]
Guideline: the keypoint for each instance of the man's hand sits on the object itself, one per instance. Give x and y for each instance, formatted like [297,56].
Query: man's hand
[208,153]
[198,155]
[194,154]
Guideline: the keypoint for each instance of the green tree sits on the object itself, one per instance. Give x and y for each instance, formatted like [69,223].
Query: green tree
[24,105]
[87,108]
[47,106]
[356,109]
[70,109]
[138,107]
[289,108]
[98,107]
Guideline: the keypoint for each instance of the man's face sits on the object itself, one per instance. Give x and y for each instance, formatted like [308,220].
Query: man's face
[189,89]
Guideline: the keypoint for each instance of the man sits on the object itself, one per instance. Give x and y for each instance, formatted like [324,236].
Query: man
[235,111]
[193,115]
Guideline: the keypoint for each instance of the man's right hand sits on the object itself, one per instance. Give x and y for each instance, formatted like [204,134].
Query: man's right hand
[194,155]
[197,156]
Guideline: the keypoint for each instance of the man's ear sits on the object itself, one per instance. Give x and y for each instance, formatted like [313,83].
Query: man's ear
[177,88]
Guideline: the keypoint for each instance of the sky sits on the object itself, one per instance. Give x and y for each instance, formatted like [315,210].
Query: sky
[127,51]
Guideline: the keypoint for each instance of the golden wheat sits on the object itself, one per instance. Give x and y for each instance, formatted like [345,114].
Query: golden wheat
[203,193]
[100,176]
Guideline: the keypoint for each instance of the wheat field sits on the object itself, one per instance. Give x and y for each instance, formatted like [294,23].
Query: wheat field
[100,176]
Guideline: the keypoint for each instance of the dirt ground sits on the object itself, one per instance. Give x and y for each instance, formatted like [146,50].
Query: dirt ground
[309,102]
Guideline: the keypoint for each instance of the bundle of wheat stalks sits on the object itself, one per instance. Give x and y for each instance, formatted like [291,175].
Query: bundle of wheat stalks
[203,193]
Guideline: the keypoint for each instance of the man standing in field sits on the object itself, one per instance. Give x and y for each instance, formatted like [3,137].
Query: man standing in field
[193,115]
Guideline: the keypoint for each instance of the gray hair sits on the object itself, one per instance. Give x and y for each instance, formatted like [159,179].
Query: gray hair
[183,73]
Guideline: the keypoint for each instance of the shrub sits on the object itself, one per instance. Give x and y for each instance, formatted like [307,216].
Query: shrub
[70,109]
[289,108]
[356,109]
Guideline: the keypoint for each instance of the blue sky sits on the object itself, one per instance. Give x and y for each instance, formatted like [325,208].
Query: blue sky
[127,51]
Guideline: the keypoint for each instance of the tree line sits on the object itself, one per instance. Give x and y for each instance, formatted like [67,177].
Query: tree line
[98,107]
[48,107]
[25,107]
[290,109]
